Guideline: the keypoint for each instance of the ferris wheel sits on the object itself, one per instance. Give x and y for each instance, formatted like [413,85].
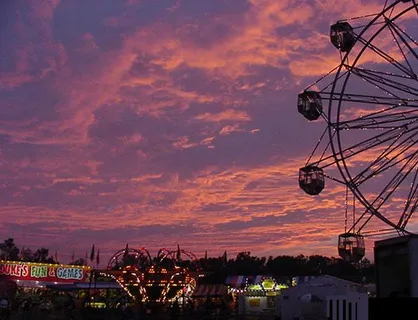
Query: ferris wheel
[369,104]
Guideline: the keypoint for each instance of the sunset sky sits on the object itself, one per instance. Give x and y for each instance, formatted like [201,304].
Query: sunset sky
[165,122]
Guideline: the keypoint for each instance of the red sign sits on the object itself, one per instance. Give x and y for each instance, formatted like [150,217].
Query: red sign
[18,270]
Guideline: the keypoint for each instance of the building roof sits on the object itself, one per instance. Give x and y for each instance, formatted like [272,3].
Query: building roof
[328,281]
[210,290]
[83,285]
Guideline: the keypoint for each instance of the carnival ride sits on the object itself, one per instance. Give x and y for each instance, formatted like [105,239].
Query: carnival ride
[369,104]
[169,275]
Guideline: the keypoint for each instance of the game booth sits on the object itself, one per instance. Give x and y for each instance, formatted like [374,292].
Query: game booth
[258,295]
[38,275]
[31,280]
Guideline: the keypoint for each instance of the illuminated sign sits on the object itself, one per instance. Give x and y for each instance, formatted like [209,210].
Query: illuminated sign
[254,302]
[18,270]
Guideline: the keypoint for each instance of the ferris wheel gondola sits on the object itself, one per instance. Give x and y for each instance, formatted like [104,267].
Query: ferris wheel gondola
[370,110]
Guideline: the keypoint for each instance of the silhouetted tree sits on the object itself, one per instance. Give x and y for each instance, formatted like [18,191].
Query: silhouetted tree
[42,255]
[214,264]
[244,263]
[26,254]
[284,266]
[344,270]
[80,262]
[8,250]
[317,264]
[367,270]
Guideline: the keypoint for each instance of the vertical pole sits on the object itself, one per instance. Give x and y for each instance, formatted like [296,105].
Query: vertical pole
[354,213]
[346,209]
[182,309]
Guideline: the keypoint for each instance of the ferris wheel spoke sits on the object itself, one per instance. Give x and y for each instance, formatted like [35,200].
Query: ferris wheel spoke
[386,84]
[400,36]
[363,98]
[416,5]
[386,193]
[366,216]
[392,155]
[382,119]
[411,203]
[361,221]
[325,162]
[326,158]
[324,151]
[383,73]
[369,143]
[335,179]
[398,178]
[387,57]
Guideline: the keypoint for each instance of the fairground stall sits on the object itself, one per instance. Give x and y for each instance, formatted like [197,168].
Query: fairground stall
[259,295]
[32,278]
[38,275]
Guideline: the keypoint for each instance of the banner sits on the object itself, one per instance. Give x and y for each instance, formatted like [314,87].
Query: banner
[18,270]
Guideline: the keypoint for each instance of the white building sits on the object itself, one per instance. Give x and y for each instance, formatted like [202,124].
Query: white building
[350,306]
[312,300]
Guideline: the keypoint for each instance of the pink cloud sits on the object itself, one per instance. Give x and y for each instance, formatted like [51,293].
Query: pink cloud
[111,153]
[227,115]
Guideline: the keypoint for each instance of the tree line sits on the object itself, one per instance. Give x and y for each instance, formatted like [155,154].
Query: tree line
[9,251]
[242,264]
[290,266]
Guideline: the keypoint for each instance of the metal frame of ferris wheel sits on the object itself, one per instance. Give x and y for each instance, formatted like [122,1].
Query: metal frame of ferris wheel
[397,128]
